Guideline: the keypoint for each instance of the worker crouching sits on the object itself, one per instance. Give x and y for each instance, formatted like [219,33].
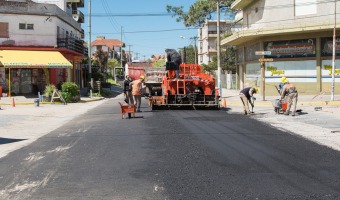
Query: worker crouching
[245,95]
[290,94]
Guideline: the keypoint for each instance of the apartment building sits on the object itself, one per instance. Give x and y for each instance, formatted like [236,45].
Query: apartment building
[296,35]
[40,43]
[207,38]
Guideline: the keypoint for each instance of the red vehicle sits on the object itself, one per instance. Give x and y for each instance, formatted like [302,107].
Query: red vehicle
[191,88]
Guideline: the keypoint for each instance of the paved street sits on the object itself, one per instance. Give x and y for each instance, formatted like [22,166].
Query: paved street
[86,151]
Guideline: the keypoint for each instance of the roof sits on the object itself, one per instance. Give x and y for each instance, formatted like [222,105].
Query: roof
[111,43]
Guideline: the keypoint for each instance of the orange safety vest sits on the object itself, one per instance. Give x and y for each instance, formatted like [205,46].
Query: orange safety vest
[290,88]
[136,87]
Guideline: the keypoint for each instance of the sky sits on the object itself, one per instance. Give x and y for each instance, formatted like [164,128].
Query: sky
[147,35]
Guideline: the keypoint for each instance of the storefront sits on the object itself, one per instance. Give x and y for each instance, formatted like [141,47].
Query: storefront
[28,72]
[306,62]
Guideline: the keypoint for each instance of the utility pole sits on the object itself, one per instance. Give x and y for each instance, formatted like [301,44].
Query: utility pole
[137,55]
[334,53]
[218,51]
[121,46]
[130,54]
[195,39]
[89,47]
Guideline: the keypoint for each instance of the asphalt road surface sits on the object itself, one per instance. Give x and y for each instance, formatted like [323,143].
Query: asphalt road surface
[170,155]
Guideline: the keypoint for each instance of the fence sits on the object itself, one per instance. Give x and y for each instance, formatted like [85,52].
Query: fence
[227,80]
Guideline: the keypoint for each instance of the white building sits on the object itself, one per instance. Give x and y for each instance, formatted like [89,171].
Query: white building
[297,33]
[207,36]
[32,27]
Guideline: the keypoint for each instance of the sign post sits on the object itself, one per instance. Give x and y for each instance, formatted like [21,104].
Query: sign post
[263,60]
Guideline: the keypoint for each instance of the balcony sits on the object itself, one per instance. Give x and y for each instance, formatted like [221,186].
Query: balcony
[79,3]
[72,44]
[78,16]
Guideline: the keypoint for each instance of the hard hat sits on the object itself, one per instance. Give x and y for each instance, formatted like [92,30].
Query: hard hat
[256,89]
[142,77]
[283,79]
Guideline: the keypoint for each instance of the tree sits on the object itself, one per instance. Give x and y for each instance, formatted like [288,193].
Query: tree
[101,58]
[227,64]
[196,16]
[198,12]
[159,63]
[189,54]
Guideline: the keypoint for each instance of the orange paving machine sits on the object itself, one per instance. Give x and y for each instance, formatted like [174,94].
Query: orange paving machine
[186,86]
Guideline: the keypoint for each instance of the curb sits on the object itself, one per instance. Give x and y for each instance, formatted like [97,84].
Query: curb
[49,103]
[326,103]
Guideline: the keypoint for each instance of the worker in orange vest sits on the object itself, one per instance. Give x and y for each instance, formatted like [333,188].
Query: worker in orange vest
[137,90]
[290,93]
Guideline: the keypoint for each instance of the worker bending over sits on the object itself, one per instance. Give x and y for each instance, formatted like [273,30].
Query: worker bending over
[283,82]
[290,94]
[245,95]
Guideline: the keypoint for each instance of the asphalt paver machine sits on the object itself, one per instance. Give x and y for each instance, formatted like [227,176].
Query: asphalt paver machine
[186,86]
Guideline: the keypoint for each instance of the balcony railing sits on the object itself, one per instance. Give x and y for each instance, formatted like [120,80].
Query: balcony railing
[72,44]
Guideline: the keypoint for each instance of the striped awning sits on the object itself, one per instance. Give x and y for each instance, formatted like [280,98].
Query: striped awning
[33,59]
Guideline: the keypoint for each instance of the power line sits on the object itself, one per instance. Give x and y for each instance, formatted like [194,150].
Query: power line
[130,14]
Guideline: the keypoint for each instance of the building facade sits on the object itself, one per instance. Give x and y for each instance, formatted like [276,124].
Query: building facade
[207,38]
[295,35]
[32,28]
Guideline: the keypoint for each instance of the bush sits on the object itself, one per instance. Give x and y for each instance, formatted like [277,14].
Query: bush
[70,92]
[49,90]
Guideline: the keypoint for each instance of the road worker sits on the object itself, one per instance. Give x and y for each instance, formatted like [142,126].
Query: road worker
[284,81]
[137,90]
[128,90]
[246,95]
[290,94]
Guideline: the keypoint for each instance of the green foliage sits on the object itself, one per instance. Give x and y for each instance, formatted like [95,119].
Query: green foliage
[70,92]
[198,12]
[159,63]
[112,63]
[49,90]
[189,54]
[101,59]
[227,61]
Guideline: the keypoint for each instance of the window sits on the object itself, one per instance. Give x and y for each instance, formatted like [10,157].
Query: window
[305,7]
[23,26]
[4,30]
[29,26]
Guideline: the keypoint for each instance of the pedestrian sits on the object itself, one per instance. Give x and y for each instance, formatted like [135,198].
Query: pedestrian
[137,90]
[284,81]
[290,94]
[128,90]
[245,95]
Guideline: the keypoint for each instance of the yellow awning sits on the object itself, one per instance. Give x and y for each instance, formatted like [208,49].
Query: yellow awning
[33,59]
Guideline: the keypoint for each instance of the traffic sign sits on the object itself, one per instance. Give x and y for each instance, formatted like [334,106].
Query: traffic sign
[263,53]
[266,59]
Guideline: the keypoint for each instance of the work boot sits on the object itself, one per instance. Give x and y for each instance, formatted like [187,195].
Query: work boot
[245,113]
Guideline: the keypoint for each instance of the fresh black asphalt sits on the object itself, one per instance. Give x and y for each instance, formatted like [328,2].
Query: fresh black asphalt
[176,154]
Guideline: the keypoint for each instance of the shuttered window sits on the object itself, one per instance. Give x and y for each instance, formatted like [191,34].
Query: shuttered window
[4,33]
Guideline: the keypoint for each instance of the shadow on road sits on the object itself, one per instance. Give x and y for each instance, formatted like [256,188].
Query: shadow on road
[9,140]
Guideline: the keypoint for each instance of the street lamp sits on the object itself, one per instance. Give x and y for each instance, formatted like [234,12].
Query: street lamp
[89,46]
[219,70]
[194,39]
